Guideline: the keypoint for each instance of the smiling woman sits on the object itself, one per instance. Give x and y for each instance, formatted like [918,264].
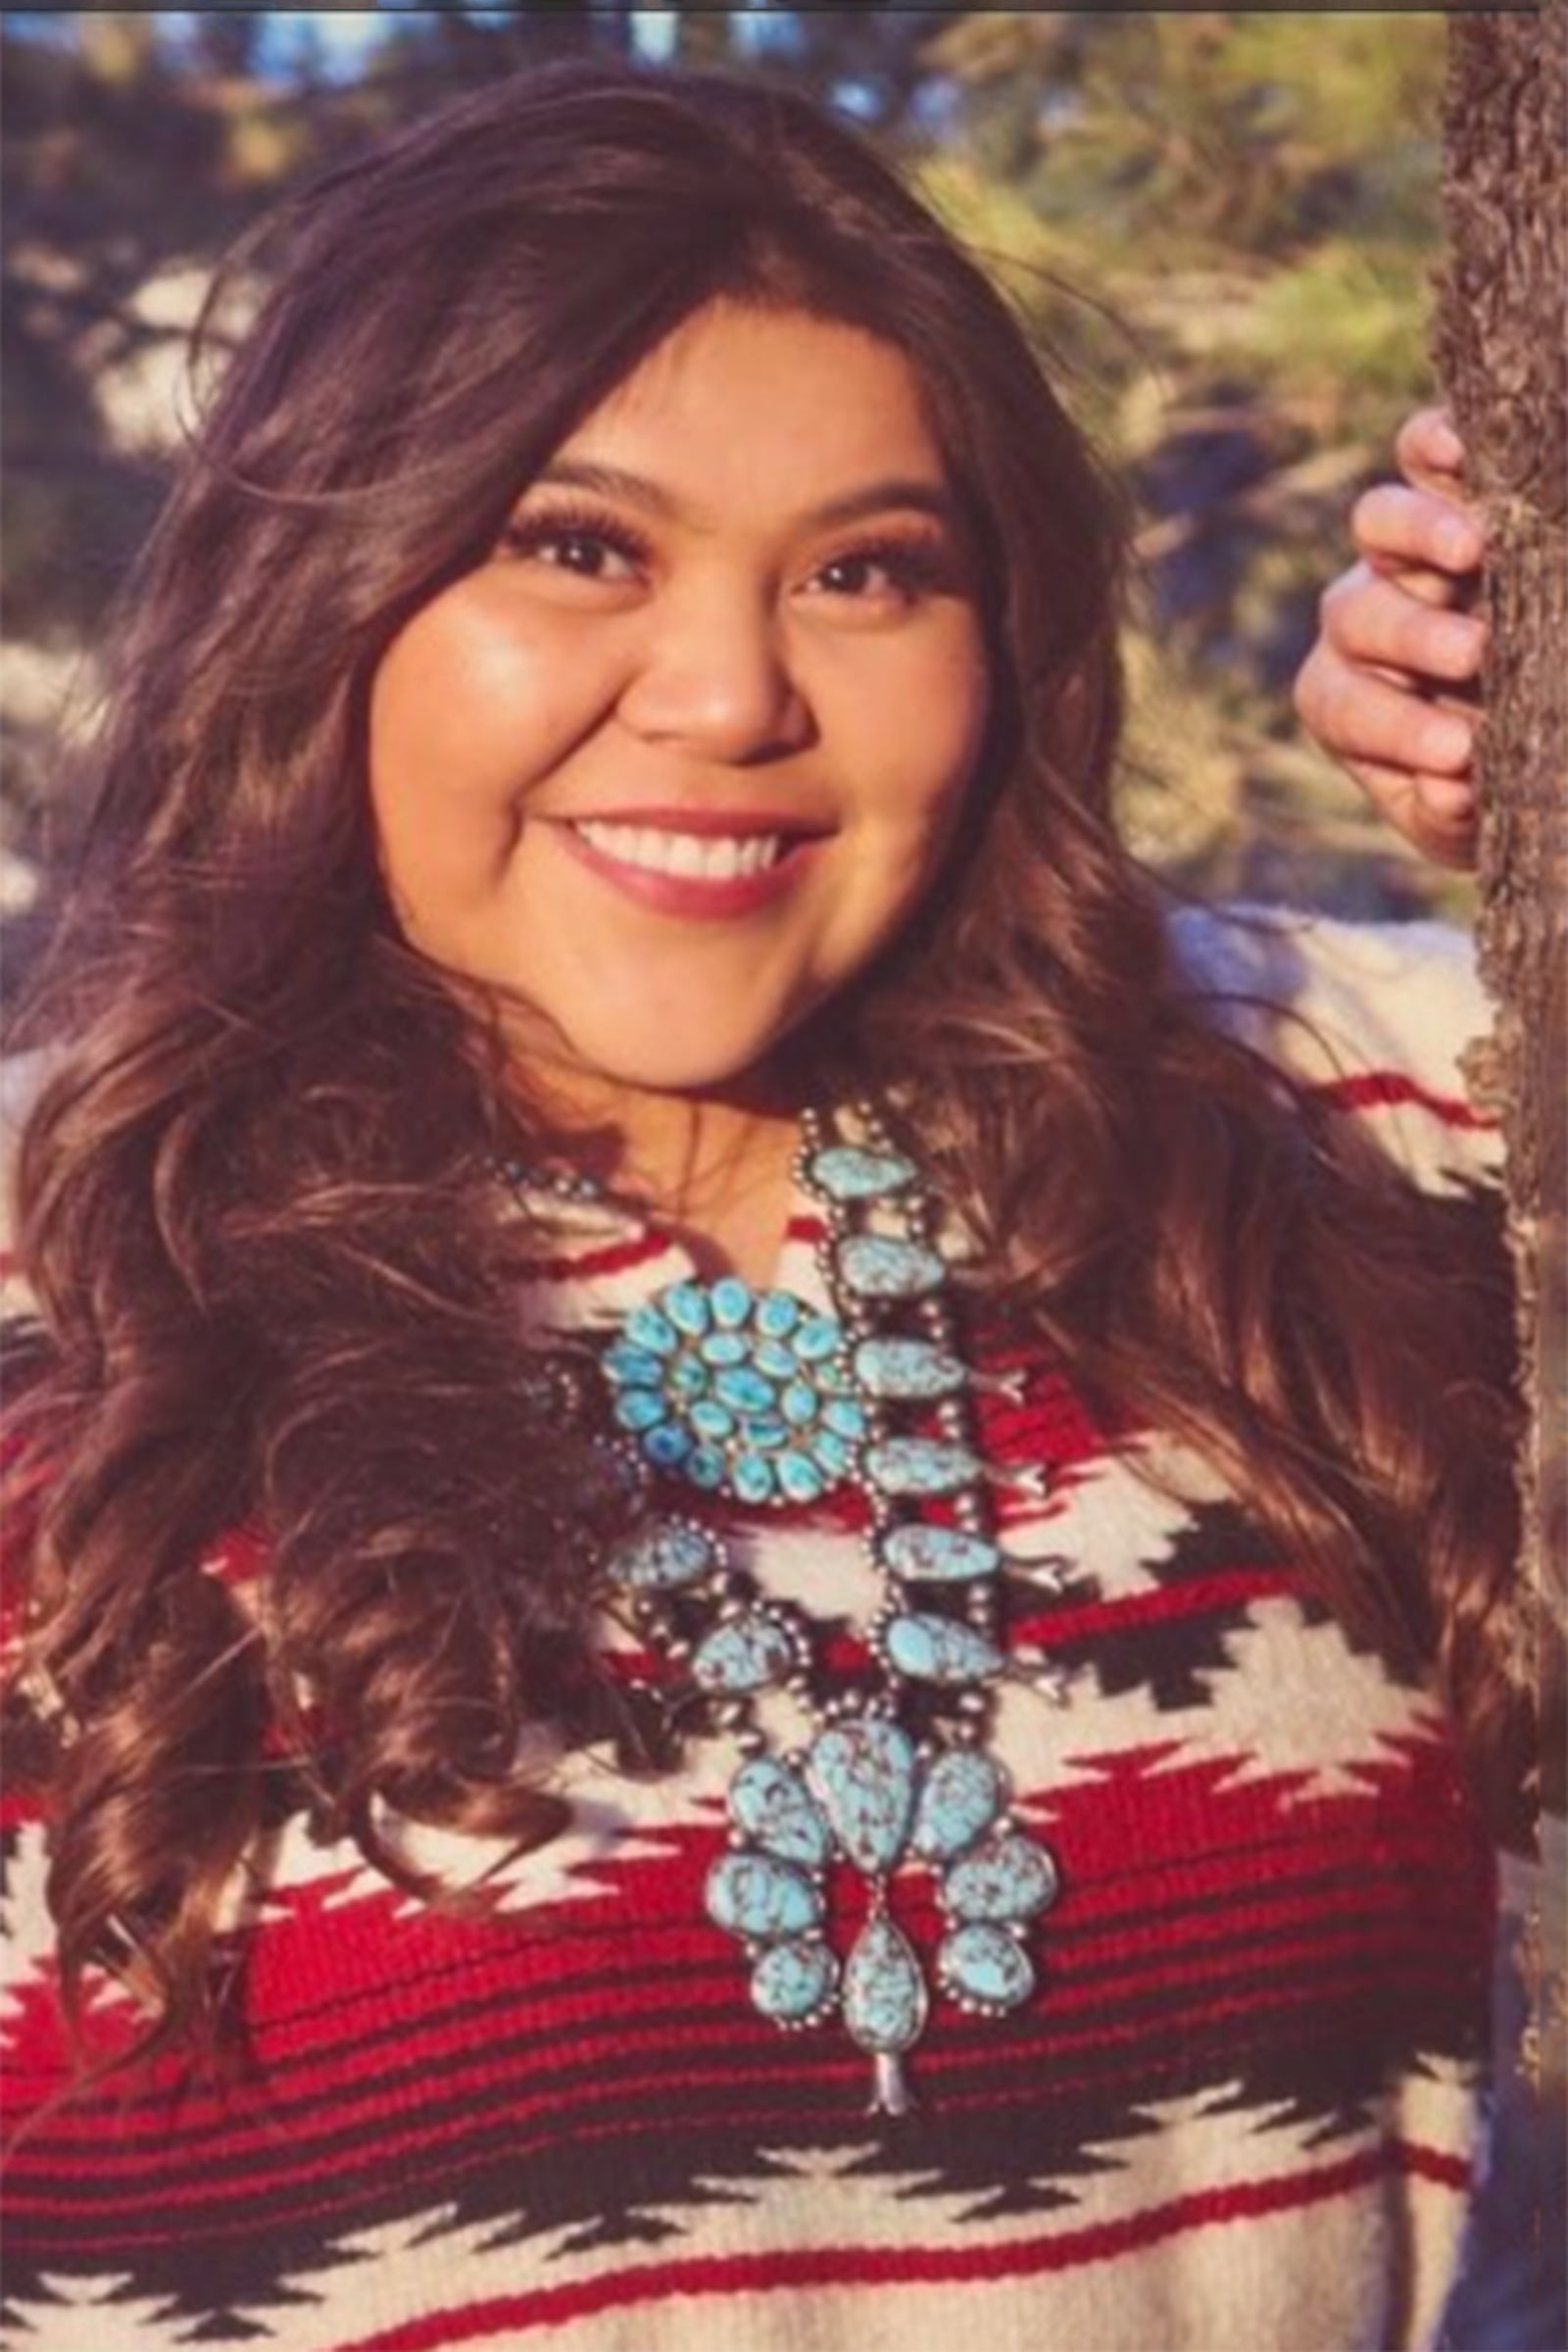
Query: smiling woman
[674,766]
[708,1421]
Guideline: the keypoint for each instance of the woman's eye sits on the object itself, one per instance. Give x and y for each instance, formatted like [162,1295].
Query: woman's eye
[898,575]
[855,576]
[582,554]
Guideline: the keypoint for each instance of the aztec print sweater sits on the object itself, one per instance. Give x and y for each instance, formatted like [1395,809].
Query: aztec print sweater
[1239,2111]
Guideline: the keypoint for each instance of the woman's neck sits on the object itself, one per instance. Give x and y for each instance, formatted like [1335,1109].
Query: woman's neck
[714,1168]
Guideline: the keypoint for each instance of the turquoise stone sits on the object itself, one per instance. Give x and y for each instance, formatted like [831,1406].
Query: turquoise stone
[646,1328]
[816,1337]
[845,1417]
[667,1448]
[960,1796]
[876,1267]
[777,1358]
[760,1898]
[938,1555]
[777,1313]
[1010,1879]
[664,1558]
[710,1420]
[640,1409]
[800,1477]
[800,1403]
[778,1812]
[909,1369]
[745,1653]
[753,1478]
[982,1963]
[765,1430]
[687,1306]
[685,1377]
[862,1773]
[704,1466]
[832,1453]
[848,1172]
[723,1347]
[744,1390]
[933,1650]
[732,1302]
[638,1367]
[793,1982]
[921,1466]
[883,1992]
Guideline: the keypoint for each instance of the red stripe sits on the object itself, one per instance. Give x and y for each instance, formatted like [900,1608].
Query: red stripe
[1161,1604]
[1382,1090]
[1050,1625]
[612,1257]
[884,2266]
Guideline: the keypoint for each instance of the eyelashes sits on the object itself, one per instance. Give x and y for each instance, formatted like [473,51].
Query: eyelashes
[585,543]
[913,566]
[580,534]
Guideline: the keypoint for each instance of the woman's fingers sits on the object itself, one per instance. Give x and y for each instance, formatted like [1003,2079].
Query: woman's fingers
[1398,623]
[1390,684]
[1420,536]
[1437,815]
[1362,717]
[1430,453]
[1411,756]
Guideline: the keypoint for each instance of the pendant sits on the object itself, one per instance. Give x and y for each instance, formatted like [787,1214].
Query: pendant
[864,1794]
[744,1393]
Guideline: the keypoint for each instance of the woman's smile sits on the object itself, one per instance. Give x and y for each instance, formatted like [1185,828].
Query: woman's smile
[674,766]
[694,863]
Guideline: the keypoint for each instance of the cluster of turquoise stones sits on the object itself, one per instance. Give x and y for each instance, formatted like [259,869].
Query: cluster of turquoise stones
[865,1792]
[737,1389]
[862,1791]
[756,1395]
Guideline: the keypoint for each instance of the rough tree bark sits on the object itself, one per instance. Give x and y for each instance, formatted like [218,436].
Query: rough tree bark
[1503,349]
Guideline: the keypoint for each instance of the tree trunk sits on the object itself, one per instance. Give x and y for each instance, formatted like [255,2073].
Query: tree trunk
[1503,349]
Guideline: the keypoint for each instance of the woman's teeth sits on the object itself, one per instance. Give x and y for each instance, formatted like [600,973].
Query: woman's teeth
[707,858]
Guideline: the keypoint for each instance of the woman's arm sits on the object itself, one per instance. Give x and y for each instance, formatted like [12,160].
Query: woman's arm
[1388,685]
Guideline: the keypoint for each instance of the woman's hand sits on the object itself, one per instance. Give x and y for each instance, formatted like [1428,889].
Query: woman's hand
[1388,687]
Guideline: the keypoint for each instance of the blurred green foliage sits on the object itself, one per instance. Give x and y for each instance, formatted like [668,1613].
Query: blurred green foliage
[1248,200]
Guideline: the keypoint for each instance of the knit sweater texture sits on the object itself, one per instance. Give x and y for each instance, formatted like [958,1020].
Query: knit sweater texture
[1241,2109]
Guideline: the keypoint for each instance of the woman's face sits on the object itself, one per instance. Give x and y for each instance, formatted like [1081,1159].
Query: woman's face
[673,766]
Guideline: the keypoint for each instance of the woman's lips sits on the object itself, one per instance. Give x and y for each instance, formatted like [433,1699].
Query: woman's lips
[700,866]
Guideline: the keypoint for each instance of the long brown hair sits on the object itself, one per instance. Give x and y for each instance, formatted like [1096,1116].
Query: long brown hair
[256,1196]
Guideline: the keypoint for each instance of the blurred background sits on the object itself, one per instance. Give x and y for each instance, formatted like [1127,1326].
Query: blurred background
[1219,224]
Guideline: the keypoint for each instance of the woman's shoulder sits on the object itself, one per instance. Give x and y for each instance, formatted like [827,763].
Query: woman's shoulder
[1373,1018]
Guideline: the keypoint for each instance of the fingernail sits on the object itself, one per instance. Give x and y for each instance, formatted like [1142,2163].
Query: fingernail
[1446,741]
[1457,641]
[1460,540]
[1447,800]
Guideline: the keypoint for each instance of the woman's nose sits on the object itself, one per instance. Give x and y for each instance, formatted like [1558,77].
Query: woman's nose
[715,677]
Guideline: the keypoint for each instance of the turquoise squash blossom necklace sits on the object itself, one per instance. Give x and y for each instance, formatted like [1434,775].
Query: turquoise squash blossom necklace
[756,1396]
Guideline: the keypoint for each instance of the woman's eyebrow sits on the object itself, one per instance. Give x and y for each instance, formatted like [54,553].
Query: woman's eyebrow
[919,493]
[606,481]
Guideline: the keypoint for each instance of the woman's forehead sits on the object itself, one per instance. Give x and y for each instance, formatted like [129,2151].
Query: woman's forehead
[745,405]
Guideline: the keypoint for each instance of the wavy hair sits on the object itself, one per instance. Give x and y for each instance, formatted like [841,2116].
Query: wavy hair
[256,1196]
